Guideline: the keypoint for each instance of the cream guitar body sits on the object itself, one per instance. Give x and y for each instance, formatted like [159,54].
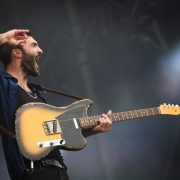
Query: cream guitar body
[40,127]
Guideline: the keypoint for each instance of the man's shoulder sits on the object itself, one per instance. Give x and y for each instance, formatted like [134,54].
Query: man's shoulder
[7,80]
[4,75]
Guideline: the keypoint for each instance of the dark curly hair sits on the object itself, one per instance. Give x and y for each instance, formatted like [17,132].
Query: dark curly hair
[5,53]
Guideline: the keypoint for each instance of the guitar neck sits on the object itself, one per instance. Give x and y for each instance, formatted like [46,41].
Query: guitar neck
[90,121]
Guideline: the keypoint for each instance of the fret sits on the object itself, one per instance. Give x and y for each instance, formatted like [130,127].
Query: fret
[124,115]
[91,121]
[139,113]
[150,111]
[144,112]
[121,116]
[84,119]
[113,117]
[129,115]
[134,114]
[81,121]
[88,120]
[116,116]
[156,110]
[94,119]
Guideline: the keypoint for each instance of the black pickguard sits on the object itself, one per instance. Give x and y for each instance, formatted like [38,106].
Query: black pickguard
[72,135]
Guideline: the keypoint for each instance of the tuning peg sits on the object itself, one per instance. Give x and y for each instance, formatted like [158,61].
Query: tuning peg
[172,105]
[177,105]
[164,104]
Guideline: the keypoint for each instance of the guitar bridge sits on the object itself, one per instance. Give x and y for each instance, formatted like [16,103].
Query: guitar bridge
[52,127]
[56,142]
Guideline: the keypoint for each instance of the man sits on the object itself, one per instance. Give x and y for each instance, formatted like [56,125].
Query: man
[20,53]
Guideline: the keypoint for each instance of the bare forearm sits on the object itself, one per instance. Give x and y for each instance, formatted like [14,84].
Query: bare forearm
[89,132]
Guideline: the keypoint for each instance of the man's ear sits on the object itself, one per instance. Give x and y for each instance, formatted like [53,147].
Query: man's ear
[17,53]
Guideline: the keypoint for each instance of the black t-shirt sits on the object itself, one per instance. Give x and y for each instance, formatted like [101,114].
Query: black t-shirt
[27,97]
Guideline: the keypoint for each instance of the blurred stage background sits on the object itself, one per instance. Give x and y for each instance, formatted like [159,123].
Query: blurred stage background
[123,55]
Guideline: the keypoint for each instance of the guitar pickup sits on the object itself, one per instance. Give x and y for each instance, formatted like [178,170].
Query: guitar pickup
[52,127]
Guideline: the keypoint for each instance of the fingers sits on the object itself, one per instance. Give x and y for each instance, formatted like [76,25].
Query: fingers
[19,37]
[15,36]
[106,118]
[109,112]
[20,40]
[21,31]
[20,34]
[105,122]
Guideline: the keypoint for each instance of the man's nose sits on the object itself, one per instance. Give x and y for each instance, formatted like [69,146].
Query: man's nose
[40,51]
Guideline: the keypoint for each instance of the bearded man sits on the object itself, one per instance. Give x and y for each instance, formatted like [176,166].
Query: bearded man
[20,53]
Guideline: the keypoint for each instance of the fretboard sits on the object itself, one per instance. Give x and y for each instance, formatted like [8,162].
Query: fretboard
[90,121]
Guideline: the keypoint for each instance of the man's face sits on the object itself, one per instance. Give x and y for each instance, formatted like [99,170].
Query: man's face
[31,55]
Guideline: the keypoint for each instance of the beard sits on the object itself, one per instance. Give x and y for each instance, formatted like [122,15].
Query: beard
[29,64]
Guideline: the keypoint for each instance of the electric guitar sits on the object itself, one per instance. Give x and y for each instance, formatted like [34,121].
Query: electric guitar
[41,127]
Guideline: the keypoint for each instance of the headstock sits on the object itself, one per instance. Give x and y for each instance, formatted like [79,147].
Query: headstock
[169,109]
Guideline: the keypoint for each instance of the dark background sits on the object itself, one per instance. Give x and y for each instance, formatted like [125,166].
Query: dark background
[123,55]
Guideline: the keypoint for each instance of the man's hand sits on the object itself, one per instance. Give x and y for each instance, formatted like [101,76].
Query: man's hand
[105,123]
[14,37]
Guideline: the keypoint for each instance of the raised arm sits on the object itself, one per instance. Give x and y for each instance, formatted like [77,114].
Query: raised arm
[14,37]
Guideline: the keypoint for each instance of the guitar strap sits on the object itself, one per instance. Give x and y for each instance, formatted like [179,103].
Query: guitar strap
[44,89]
[7,132]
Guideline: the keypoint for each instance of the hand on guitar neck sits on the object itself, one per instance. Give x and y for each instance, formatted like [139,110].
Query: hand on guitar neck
[104,125]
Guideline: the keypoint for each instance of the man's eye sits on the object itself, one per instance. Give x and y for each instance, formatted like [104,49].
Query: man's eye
[33,45]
